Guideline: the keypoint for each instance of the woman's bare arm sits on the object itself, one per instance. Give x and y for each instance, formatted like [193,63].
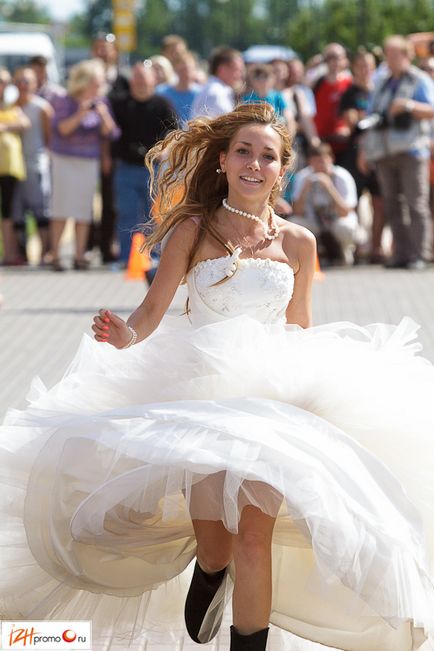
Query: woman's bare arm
[146,318]
[171,270]
[301,242]
[46,118]
[68,125]
[20,124]
[108,125]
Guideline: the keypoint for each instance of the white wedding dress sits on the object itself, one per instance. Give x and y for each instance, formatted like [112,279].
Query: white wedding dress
[330,428]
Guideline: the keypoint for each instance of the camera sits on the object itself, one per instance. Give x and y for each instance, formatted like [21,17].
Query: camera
[376,121]
[380,121]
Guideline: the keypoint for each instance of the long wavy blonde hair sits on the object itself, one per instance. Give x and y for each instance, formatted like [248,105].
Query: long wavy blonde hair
[186,183]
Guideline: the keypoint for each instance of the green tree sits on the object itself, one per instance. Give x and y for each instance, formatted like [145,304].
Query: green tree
[354,22]
[24,11]
[280,14]
[305,25]
[208,23]
[77,35]
[154,20]
[98,17]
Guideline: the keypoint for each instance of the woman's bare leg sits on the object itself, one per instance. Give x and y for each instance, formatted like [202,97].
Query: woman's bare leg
[44,236]
[81,236]
[251,600]
[377,225]
[10,242]
[56,229]
[214,542]
[214,545]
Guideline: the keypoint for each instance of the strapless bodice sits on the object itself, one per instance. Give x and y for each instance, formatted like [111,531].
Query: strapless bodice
[260,288]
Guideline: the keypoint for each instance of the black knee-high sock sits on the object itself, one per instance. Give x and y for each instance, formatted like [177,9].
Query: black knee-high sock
[254,642]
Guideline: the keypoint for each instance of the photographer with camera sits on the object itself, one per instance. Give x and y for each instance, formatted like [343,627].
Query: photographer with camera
[353,109]
[325,199]
[144,118]
[397,142]
[105,48]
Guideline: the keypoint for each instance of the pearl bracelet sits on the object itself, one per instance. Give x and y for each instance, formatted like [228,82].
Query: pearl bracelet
[133,339]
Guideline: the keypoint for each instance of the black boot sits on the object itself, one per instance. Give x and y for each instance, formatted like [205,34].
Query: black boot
[202,591]
[254,642]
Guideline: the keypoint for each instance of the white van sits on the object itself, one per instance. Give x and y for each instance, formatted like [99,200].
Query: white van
[17,47]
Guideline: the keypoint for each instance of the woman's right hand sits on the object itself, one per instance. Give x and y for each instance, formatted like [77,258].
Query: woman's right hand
[111,329]
[85,106]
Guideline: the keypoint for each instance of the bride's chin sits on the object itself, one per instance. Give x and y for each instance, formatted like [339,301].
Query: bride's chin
[249,193]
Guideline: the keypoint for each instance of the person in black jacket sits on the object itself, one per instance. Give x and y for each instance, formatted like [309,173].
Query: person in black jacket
[144,118]
[102,234]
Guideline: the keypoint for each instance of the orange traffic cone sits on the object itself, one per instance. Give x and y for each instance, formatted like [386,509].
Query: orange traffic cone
[138,263]
[319,275]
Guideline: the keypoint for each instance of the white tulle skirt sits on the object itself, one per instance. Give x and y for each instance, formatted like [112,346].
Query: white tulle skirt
[330,429]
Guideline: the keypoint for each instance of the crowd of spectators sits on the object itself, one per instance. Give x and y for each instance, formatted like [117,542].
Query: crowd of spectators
[363,127]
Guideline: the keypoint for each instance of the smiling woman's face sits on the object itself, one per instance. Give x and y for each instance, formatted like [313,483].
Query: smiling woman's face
[253,161]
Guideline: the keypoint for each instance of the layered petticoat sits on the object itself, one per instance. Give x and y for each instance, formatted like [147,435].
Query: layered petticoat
[330,428]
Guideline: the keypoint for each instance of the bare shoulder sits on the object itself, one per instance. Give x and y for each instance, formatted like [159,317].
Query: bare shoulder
[298,241]
[183,235]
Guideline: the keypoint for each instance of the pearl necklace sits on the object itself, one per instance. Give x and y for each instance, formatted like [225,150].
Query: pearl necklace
[268,234]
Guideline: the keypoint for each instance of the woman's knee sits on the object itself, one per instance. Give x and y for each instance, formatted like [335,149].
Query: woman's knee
[214,557]
[252,544]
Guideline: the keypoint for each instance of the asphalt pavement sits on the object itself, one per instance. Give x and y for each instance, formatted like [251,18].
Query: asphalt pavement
[44,315]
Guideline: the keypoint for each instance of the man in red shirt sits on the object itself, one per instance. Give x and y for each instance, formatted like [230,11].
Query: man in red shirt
[328,91]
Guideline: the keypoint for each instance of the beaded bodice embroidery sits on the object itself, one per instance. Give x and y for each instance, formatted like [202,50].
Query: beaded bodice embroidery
[260,288]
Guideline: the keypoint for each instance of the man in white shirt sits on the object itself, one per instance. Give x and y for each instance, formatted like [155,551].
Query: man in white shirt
[325,200]
[226,76]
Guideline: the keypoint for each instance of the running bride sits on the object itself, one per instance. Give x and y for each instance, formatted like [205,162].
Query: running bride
[290,461]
